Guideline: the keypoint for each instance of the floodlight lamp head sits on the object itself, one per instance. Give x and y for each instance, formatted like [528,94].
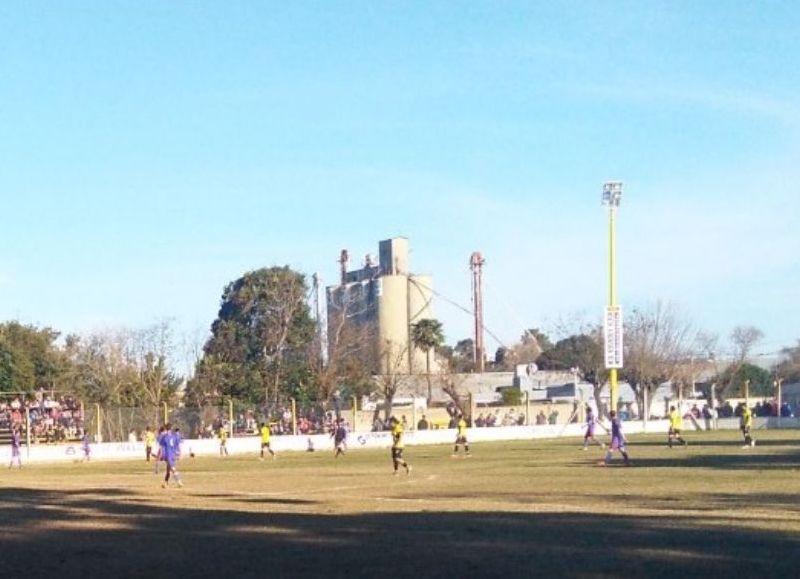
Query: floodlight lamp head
[612,193]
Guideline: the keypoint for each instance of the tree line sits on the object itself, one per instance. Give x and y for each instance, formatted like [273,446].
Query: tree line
[265,347]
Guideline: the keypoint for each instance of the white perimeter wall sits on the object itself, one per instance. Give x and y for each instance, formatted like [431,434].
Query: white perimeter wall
[252,445]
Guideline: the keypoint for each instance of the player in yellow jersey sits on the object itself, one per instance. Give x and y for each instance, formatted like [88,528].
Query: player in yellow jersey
[149,443]
[461,436]
[265,436]
[675,427]
[397,446]
[223,440]
[745,424]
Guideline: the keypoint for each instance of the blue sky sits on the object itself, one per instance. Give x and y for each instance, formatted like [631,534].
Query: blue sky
[154,151]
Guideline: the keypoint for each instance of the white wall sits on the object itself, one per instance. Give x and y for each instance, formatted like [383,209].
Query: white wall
[252,445]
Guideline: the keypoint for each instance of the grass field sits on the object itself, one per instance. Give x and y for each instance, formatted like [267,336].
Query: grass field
[520,509]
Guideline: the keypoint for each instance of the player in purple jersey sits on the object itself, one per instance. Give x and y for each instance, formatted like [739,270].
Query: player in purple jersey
[591,424]
[617,441]
[16,442]
[178,440]
[171,447]
[87,450]
[339,436]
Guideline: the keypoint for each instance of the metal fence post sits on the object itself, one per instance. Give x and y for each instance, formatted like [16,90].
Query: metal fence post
[527,408]
[27,432]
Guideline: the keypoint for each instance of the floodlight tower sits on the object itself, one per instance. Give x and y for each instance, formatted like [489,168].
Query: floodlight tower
[612,195]
[476,262]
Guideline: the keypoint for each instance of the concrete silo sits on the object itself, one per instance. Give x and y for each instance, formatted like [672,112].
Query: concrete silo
[390,300]
[393,331]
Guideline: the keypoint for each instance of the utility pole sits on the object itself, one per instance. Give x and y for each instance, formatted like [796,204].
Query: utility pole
[344,261]
[476,262]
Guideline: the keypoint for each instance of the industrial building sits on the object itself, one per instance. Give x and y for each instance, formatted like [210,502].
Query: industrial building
[385,300]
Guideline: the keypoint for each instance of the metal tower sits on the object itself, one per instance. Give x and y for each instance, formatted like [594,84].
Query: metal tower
[476,262]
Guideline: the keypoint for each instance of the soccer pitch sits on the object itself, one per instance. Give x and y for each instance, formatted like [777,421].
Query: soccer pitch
[514,509]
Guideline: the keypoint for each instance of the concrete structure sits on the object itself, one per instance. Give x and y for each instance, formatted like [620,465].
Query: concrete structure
[384,300]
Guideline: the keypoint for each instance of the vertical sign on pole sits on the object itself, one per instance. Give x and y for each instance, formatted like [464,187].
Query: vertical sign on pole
[613,337]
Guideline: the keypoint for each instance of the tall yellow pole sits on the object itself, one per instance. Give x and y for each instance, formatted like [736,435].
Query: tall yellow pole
[230,417]
[612,293]
[294,416]
[166,413]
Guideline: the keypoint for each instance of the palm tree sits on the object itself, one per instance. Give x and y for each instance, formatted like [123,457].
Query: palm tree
[427,335]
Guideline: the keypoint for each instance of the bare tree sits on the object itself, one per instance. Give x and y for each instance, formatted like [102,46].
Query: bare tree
[350,356]
[742,339]
[153,347]
[657,340]
[393,375]
[452,384]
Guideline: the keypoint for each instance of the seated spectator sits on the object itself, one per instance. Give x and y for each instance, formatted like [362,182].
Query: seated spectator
[541,419]
[480,422]
[553,418]
[423,423]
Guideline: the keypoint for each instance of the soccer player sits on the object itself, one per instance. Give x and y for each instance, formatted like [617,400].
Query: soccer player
[171,442]
[398,445]
[461,436]
[617,441]
[160,453]
[339,436]
[675,426]
[265,436]
[87,450]
[591,423]
[745,424]
[223,440]
[178,441]
[16,442]
[149,442]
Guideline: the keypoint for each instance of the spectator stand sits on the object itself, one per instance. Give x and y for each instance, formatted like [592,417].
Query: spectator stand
[45,417]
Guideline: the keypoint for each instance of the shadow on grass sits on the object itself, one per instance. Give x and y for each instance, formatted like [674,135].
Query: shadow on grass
[747,460]
[735,441]
[256,499]
[48,537]
[785,505]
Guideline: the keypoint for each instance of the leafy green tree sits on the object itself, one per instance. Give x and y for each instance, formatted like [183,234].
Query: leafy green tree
[427,335]
[29,358]
[760,380]
[789,367]
[582,352]
[743,340]
[262,330]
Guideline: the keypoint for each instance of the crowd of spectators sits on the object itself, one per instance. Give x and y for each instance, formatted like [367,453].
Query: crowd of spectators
[764,409]
[52,418]
[280,422]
